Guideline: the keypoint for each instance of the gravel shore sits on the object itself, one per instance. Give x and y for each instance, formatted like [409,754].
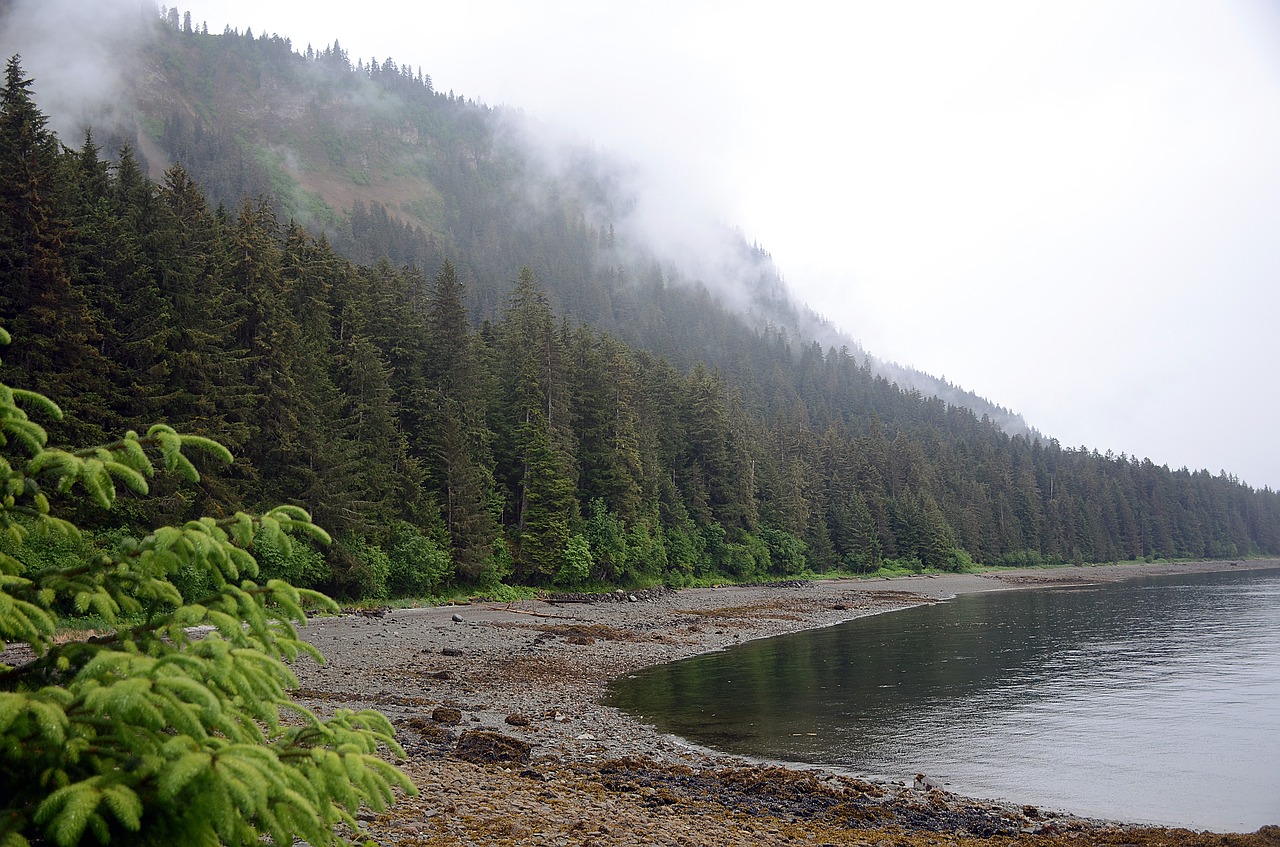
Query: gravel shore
[498,708]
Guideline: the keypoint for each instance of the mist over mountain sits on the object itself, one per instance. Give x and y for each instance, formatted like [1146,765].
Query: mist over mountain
[482,351]
[330,138]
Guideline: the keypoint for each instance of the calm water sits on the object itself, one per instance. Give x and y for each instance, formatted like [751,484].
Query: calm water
[1154,700]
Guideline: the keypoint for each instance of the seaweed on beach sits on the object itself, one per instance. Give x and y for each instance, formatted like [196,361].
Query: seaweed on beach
[810,801]
[797,796]
[595,630]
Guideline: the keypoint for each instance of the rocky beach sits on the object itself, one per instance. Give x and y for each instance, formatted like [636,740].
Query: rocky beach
[499,709]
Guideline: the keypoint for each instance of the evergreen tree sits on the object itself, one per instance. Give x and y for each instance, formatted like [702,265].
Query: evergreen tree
[708,466]
[38,300]
[534,436]
[606,429]
[454,418]
[547,506]
[386,483]
[150,734]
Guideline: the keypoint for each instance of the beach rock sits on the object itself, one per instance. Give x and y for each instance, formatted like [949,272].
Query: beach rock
[517,719]
[616,596]
[443,675]
[457,618]
[1271,834]
[432,733]
[446,715]
[483,747]
[451,651]
[926,783]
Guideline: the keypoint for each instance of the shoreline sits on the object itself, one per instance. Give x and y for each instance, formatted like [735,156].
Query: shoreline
[535,671]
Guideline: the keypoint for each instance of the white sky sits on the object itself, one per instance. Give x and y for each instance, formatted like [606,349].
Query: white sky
[1071,208]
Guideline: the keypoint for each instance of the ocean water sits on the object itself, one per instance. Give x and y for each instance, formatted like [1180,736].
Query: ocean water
[1153,700]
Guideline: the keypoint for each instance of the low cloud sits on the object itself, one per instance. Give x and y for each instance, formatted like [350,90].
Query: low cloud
[79,56]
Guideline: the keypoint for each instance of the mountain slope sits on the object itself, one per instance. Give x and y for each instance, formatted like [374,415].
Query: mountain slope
[387,166]
[449,415]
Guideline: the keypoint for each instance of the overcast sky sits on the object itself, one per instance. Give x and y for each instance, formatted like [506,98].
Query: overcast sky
[1070,208]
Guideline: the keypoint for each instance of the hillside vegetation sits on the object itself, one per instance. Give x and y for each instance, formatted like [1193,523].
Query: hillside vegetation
[385,166]
[470,383]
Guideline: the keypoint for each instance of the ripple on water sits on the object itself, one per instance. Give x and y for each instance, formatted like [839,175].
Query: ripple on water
[1152,700]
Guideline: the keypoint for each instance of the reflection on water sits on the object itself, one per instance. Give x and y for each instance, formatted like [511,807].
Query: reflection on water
[1154,700]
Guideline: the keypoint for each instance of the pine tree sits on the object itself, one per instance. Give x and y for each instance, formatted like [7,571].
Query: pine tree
[140,328]
[548,507]
[38,299]
[454,421]
[278,407]
[605,424]
[534,435]
[709,465]
[386,483]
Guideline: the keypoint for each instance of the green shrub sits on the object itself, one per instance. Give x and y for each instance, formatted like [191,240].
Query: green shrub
[786,552]
[647,558]
[903,564]
[607,536]
[575,562]
[418,566]
[958,560]
[299,564]
[501,565]
[685,547]
[361,569]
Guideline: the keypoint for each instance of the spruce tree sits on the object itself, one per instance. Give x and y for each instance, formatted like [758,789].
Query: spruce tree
[37,298]
[454,420]
[547,507]
[157,731]
[534,434]
[605,424]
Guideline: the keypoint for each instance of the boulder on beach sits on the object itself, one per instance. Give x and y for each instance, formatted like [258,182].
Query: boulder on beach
[925,783]
[446,715]
[484,747]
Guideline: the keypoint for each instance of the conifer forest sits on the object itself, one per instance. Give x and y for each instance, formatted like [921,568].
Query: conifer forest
[470,388]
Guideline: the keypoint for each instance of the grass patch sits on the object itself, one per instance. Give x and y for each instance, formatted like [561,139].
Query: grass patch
[500,593]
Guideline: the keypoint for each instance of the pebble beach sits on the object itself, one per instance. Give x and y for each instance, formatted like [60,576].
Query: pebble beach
[498,707]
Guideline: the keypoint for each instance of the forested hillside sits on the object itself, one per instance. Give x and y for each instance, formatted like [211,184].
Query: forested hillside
[369,153]
[445,410]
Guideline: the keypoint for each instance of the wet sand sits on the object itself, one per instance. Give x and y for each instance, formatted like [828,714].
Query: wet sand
[534,672]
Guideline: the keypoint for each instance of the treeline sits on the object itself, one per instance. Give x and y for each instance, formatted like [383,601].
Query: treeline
[526,448]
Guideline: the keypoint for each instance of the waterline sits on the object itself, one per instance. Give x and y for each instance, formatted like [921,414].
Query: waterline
[1151,700]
